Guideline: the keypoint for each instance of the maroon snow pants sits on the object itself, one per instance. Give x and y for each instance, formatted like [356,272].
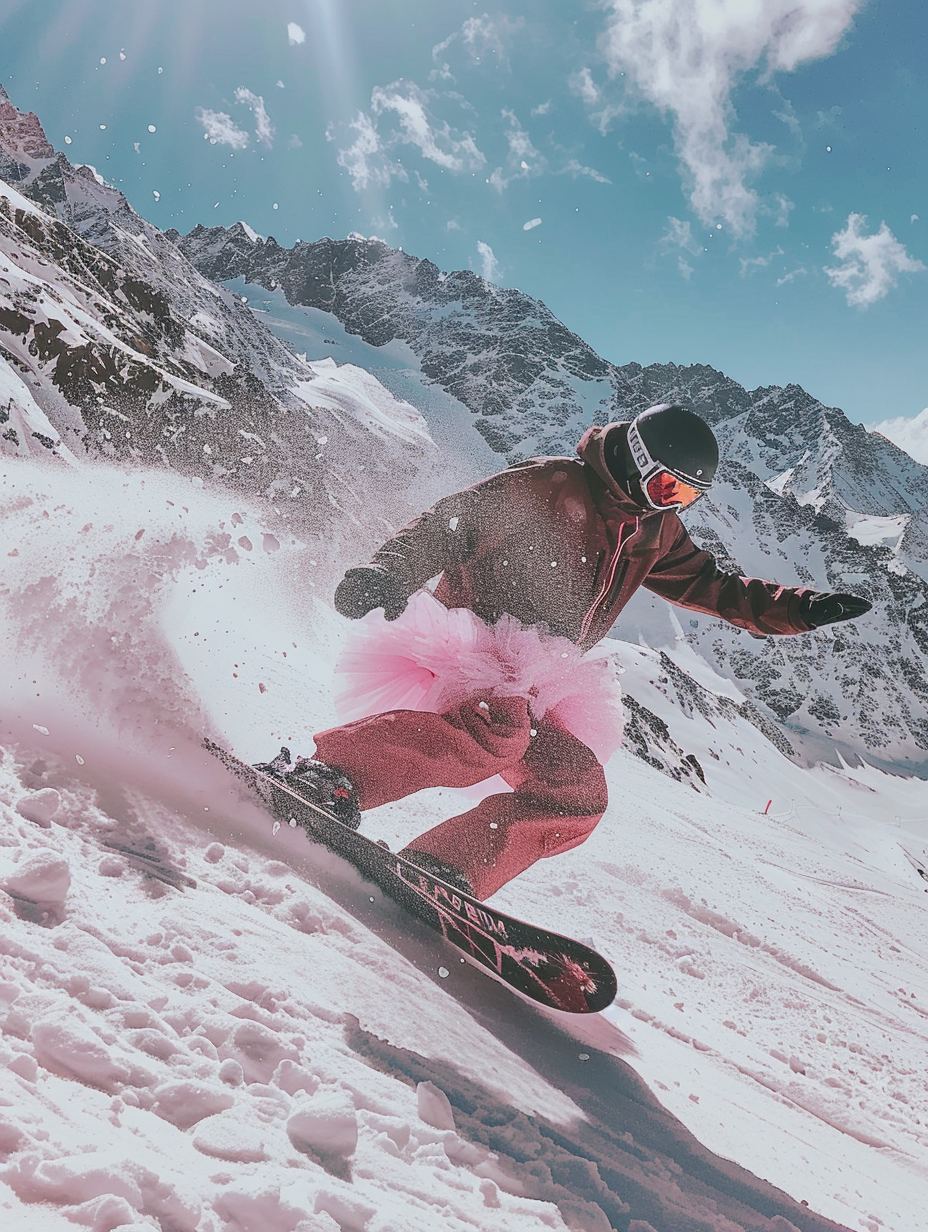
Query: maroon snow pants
[559,787]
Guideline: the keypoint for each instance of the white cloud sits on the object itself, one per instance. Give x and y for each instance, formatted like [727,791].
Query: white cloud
[686,56]
[452,225]
[788,117]
[221,129]
[574,168]
[442,70]
[749,264]
[685,268]
[909,434]
[791,276]
[523,160]
[870,264]
[490,268]
[295,34]
[531,224]
[830,118]
[440,48]
[680,235]
[486,38]
[784,207]
[385,222]
[435,139]
[264,129]
[582,84]
[542,109]
[365,159]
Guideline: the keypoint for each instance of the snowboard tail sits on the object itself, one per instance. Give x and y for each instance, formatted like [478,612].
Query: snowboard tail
[554,970]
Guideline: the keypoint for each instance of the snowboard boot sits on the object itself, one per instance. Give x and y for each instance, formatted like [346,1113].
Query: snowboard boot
[319,784]
[438,868]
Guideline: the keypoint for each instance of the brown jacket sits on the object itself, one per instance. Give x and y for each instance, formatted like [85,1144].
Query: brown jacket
[556,541]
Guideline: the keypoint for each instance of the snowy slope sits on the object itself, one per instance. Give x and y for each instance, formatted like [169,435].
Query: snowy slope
[272,1047]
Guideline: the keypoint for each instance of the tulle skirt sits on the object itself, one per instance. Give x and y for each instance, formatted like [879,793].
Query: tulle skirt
[433,658]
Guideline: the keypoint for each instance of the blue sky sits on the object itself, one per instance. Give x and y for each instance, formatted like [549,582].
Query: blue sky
[740,183]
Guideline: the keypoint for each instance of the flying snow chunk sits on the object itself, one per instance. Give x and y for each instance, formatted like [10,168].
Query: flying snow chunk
[295,34]
[67,140]
[156,194]
[152,128]
[531,224]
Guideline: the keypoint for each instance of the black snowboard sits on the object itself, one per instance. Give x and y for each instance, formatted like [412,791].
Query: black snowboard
[557,971]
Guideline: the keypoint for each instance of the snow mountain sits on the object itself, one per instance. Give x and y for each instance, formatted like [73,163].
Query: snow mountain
[112,344]
[803,495]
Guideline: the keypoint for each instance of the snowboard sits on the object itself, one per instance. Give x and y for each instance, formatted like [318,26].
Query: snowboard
[554,970]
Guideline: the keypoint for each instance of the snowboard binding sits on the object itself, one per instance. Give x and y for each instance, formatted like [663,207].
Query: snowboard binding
[318,784]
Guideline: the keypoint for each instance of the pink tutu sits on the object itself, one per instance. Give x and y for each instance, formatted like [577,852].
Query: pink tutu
[433,658]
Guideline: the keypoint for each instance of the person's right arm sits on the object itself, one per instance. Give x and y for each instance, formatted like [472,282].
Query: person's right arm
[439,538]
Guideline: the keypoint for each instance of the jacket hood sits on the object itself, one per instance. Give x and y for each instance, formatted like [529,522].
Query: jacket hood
[592,451]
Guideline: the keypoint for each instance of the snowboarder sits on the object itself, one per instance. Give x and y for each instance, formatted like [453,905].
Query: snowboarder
[489,674]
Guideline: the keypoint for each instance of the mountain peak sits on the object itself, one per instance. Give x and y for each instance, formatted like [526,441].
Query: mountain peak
[22,131]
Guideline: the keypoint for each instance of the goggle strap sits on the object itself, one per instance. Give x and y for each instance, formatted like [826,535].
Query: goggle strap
[641,455]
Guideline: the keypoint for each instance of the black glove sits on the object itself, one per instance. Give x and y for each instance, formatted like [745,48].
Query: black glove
[367,587]
[827,609]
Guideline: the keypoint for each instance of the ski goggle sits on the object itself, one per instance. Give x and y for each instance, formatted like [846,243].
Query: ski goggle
[662,489]
[667,491]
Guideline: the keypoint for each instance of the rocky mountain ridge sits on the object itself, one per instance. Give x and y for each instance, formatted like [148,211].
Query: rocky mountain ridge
[524,375]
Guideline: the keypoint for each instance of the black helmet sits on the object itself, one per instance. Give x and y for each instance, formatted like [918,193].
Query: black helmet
[675,456]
